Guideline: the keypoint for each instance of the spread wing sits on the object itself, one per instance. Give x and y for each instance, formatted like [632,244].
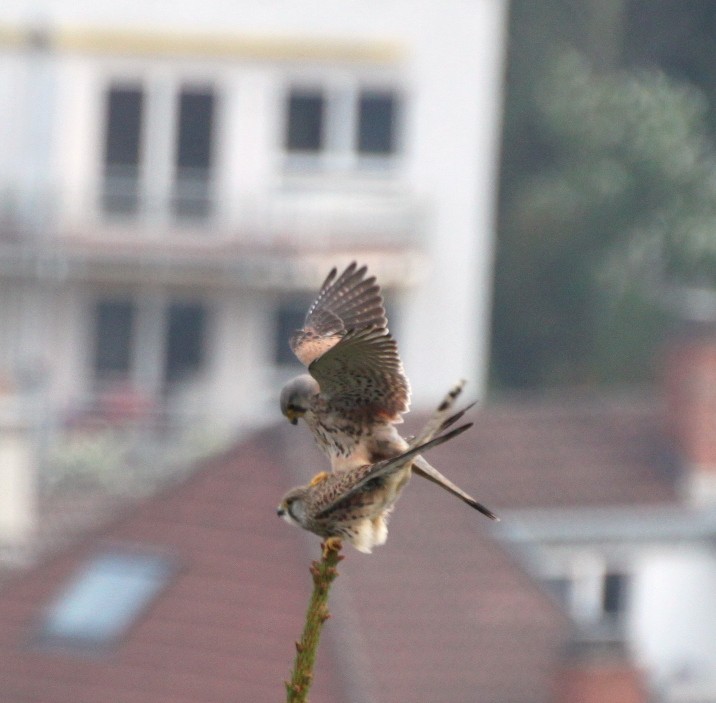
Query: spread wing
[349,302]
[362,375]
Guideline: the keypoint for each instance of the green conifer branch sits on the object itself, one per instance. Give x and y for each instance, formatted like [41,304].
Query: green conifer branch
[324,573]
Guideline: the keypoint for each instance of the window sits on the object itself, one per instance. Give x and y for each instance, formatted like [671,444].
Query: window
[185,342]
[589,592]
[159,147]
[289,318]
[124,109]
[304,131]
[340,124]
[104,599]
[613,593]
[114,328]
[194,148]
[196,118]
[376,120]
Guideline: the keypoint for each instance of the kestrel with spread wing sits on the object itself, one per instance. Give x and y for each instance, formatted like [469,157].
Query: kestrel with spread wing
[356,390]
[354,504]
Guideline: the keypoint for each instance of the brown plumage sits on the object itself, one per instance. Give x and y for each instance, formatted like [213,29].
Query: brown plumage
[356,390]
[354,504]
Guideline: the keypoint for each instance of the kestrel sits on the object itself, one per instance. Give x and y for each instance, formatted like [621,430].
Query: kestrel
[354,504]
[356,390]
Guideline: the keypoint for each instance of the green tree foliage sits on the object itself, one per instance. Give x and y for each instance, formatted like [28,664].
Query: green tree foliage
[623,200]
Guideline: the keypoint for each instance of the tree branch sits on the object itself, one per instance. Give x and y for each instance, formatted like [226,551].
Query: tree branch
[324,573]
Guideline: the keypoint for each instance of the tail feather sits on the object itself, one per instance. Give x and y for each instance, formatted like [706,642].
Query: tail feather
[388,466]
[424,469]
[439,421]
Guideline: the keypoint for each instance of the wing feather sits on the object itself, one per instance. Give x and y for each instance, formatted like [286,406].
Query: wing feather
[345,302]
[362,374]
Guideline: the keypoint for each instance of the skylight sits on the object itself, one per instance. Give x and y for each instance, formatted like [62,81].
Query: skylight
[105,598]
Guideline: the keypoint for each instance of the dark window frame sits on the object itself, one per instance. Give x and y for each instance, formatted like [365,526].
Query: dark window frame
[186,338]
[125,107]
[289,316]
[306,117]
[194,151]
[377,109]
[115,322]
[615,585]
[196,127]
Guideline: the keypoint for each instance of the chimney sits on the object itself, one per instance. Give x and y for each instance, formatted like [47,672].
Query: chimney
[690,390]
[599,672]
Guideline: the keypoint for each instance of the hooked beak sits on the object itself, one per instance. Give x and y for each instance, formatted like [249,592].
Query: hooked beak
[292,416]
[280,512]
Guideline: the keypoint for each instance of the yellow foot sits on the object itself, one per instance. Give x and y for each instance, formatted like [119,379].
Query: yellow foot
[318,478]
[332,544]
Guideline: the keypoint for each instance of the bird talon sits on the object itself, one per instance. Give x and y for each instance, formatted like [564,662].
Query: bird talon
[332,544]
[319,478]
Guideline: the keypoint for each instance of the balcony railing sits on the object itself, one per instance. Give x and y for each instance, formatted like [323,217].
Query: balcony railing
[190,234]
[295,215]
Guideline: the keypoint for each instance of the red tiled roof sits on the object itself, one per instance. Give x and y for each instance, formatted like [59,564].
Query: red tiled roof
[441,613]
[568,452]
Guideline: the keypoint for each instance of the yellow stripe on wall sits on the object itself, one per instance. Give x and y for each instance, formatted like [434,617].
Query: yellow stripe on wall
[164,44]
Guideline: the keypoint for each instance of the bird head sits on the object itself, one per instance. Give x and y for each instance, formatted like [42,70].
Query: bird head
[293,507]
[296,397]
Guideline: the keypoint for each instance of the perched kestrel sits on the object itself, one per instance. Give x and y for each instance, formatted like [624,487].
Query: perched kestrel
[356,390]
[354,504]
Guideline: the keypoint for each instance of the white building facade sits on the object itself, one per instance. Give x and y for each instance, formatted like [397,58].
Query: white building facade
[176,180]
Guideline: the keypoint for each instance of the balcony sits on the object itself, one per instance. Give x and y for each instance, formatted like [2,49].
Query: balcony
[126,234]
[300,214]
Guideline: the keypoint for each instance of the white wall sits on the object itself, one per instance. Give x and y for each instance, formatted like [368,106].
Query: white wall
[11,93]
[455,134]
[673,621]
[445,56]
[239,374]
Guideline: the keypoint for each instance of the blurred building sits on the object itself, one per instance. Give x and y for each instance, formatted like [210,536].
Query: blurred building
[177,179]
[598,586]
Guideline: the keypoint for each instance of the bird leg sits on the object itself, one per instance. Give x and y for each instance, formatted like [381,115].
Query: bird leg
[319,478]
